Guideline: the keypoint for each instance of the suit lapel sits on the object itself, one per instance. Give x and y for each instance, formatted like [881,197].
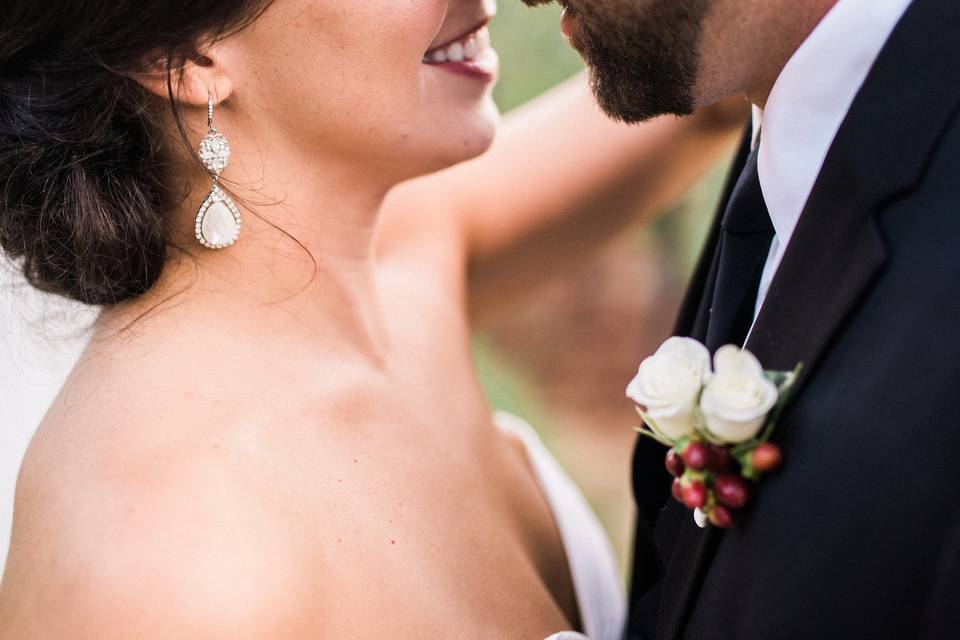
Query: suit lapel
[837,251]
[879,154]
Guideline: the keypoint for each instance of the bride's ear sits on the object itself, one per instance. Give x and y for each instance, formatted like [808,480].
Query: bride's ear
[191,78]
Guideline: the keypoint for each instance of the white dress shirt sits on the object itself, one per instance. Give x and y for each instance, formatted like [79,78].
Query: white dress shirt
[807,106]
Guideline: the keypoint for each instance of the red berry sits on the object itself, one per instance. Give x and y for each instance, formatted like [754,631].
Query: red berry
[720,517]
[674,463]
[696,455]
[731,490]
[719,458]
[766,457]
[677,490]
[694,494]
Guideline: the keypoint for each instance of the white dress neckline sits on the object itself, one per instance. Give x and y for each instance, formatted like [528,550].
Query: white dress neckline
[593,566]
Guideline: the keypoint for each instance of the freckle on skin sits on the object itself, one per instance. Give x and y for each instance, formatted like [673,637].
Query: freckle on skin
[339,540]
[393,542]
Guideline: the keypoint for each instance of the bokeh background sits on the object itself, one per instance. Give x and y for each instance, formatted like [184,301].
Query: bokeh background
[564,360]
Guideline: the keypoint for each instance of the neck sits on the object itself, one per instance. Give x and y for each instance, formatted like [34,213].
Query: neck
[302,271]
[792,23]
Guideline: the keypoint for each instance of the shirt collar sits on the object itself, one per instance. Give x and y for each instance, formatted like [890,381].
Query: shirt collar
[810,101]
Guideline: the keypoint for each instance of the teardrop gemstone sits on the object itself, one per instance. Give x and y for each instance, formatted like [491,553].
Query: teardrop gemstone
[218,222]
[219,227]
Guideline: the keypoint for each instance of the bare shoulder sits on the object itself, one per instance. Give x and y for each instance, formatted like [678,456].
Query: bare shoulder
[160,500]
[157,537]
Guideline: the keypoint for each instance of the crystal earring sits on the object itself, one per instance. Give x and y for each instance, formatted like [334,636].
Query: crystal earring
[218,220]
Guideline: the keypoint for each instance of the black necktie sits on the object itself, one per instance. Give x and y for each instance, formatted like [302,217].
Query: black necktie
[746,234]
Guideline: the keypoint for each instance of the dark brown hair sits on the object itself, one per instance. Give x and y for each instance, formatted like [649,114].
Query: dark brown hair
[84,163]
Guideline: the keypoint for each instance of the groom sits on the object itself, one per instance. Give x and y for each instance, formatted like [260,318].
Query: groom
[837,245]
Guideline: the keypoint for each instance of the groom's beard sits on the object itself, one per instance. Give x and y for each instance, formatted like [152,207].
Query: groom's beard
[643,54]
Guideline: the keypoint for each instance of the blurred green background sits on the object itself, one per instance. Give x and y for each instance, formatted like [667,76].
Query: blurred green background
[564,360]
[535,55]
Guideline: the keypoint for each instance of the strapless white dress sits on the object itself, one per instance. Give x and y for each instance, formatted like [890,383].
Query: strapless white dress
[593,566]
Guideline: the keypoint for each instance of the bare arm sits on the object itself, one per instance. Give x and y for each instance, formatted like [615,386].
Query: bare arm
[561,180]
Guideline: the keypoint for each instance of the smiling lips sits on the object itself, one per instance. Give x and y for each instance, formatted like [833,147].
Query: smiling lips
[466,48]
[470,55]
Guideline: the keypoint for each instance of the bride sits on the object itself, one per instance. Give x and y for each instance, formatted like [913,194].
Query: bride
[276,430]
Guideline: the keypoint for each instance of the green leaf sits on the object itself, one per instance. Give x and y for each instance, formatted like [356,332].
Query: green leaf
[746,464]
[787,384]
[776,377]
[647,433]
[785,389]
[704,476]
[744,447]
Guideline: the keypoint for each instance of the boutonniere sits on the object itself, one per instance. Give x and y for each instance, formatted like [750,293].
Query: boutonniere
[716,423]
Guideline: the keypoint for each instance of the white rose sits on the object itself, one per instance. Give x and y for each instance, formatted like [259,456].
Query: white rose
[668,383]
[738,397]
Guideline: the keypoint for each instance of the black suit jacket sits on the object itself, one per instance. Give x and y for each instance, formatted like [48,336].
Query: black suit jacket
[858,535]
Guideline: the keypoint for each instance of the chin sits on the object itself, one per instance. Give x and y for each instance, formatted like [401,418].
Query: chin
[455,140]
[478,135]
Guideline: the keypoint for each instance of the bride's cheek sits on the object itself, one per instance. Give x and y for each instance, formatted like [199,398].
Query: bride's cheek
[348,78]
[405,28]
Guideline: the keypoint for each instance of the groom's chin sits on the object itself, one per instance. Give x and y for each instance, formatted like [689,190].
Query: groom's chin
[631,99]
[638,69]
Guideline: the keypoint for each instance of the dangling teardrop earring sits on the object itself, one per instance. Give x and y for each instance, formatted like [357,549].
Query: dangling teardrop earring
[218,220]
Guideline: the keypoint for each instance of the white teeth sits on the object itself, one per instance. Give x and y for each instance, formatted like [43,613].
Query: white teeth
[483,39]
[466,49]
[455,52]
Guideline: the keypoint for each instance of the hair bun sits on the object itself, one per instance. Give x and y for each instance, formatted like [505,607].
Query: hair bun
[81,199]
